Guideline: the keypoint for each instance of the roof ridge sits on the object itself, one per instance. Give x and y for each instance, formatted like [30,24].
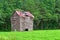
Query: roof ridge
[24,13]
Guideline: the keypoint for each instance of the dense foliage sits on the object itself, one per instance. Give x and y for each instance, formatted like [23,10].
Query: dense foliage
[46,12]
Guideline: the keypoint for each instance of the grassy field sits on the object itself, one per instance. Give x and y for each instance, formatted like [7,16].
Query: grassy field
[31,35]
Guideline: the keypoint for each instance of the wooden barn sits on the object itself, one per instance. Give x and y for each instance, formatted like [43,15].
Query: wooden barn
[22,21]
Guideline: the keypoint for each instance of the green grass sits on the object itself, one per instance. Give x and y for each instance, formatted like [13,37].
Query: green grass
[31,35]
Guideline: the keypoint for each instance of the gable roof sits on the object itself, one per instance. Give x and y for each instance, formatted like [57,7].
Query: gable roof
[23,14]
[19,13]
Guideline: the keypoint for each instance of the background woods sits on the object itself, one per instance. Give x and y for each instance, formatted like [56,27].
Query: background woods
[46,12]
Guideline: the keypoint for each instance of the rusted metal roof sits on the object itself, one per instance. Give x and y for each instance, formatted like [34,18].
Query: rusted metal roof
[23,14]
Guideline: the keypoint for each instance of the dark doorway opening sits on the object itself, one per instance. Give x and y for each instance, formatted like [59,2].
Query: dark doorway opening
[26,29]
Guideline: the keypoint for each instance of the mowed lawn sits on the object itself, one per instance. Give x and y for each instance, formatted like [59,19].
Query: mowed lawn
[31,35]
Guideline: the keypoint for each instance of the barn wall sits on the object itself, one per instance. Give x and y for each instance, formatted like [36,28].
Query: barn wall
[22,23]
[31,24]
[26,23]
[15,22]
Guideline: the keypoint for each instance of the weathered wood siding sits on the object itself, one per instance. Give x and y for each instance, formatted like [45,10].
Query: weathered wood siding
[15,22]
[26,23]
[22,24]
